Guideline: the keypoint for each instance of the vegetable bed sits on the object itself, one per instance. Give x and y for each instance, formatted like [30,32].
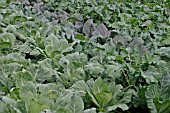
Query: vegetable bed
[85,56]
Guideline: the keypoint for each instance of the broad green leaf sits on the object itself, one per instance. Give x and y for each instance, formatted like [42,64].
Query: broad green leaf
[29,89]
[24,74]
[158,96]
[103,98]
[115,89]
[5,45]
[127,96]
[50,91]
[113,71]
[61,45]
[152,75]
[26,47]
[73,60]
[8,38]
[40,96]
[43,71]
[94,68]
[3,4]
[90,82]
[63,102]
[117,102]
[72,65]
[7,73]
[93,99]
[80,87]
[80,37]
[114,107]
[13,58]
[14,93]
[20,35]
[76,104]
[55,46]
[48,50]
[100,86]
[37,106]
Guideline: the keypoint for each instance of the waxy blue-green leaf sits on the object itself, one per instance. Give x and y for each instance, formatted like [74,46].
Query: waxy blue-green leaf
[54,46]
[76,104]
[73,60]
[121,106]
[165,51]
[113,71]
[94,68]
[158,96]
[152,75]
[8,104]
[7,74]
[80,87]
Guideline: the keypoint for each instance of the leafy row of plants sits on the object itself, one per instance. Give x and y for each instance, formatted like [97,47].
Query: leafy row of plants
[84,56]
